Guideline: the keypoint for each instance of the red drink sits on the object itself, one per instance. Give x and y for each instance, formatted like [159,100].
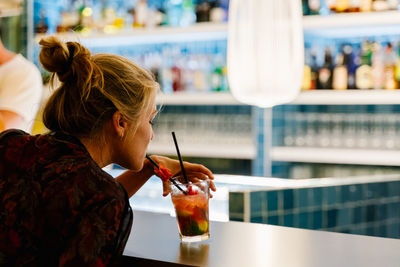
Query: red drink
[192,211]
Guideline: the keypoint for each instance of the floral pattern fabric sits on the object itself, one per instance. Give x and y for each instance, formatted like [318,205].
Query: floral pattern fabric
[57,206]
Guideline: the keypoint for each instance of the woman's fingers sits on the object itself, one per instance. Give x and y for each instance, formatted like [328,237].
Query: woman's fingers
[174,166]
[190,167]
[166,188]
[198,176]
[212,186]
[192,176]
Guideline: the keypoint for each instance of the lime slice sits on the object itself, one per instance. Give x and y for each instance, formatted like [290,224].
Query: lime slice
[203,226]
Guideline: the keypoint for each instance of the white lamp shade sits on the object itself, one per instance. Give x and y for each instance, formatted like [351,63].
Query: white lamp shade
[265,54]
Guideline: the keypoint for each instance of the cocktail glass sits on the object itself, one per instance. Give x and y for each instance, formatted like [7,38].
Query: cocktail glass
[191,209]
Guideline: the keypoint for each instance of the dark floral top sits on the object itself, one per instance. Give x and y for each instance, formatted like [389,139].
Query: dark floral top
[57,206]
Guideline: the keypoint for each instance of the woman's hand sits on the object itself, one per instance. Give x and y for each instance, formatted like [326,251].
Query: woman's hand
[193,172]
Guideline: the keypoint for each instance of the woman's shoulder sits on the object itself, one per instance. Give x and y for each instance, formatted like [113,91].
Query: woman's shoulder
[12,132]
[14,139]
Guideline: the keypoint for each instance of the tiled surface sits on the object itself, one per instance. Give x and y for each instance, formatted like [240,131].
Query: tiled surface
[236,206]
[259,135]
[367,209]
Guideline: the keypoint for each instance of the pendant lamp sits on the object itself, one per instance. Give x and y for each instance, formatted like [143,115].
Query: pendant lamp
[265,54]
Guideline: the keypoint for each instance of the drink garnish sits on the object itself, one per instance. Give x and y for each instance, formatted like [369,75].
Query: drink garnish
[191,192]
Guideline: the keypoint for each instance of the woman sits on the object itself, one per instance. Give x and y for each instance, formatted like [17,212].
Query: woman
[57,206]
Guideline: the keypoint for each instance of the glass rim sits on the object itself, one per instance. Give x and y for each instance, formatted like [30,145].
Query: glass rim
[207,181]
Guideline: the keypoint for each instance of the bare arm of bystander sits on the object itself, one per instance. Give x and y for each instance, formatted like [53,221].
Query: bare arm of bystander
[9,119]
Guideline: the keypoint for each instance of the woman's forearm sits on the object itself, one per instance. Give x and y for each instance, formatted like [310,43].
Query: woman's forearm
[133,181]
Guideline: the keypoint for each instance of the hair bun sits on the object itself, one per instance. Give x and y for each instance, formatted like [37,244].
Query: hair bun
[63,58]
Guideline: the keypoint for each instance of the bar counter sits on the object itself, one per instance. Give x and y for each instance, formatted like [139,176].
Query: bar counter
[154,241]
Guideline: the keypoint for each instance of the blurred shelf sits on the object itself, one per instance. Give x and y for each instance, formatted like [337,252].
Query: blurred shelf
[222,98]
[352,19]
[10,12]
[331,26]
[336,156]
[353,24]
[313,97]
[197,32]
[206,151]
[348,97]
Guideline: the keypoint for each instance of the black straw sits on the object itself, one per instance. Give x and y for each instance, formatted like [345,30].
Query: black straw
[180,158]
[152,161]
[158,167]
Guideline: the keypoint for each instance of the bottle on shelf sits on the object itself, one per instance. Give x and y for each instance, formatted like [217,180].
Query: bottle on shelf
[306,9]
[332,5]
[380,5]
[364,71]
[217,13]
[366,65]
[174,10]
[176,78]
[310,73]
[377,66]
[218,78]
[352,62]
[306,82]
[140,14]
[189,67]
[41,26]
[342,6]
[154,18]
[314,7]
[366,6]
[123,16]
[188,13]
[225,6]
[324,8]
[355,6]
[325,72]
[397,71]
[182,67]
[340,74]
[68,20]
[203,11]
[201,75]
[314,69]
[165,73]
[85,22]
[389,61]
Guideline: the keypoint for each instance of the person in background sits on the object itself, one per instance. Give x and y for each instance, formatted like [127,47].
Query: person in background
[58,206]
[20,91]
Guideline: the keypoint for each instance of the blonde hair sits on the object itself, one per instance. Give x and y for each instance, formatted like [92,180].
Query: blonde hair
[93,88]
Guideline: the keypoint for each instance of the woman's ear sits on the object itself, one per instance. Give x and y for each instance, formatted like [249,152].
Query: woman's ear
[119,124]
